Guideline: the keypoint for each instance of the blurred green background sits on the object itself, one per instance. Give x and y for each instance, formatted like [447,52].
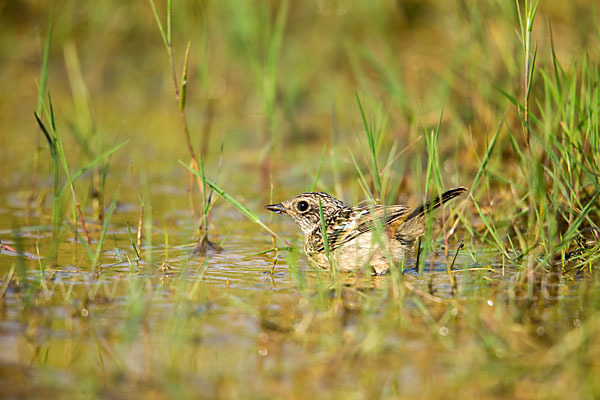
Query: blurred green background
[272,107]
[410,61]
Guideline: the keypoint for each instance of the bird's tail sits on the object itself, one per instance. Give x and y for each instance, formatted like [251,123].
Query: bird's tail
[435,203]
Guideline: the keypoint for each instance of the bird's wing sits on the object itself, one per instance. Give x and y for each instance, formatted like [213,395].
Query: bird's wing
[350,223]
[383,215]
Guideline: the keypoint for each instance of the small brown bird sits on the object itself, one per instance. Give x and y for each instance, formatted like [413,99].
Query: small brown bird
[357,237]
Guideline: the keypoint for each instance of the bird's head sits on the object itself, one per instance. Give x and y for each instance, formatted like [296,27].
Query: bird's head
[304,209]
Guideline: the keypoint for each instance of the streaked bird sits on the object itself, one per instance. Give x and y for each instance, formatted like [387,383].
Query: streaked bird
[357,237]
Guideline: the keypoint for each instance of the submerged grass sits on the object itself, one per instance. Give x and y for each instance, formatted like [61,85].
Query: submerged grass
[505,303]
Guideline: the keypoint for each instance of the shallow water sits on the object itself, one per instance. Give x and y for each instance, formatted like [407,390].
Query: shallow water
[217,319]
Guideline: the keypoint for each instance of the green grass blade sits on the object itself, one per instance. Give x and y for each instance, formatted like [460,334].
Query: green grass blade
[235,203]
[325,238]
[486,158]
[49,139]
[362,180]
[45,65]
[160,25]
[318,174]
[95,161]
[184,74]
[107,218]
[132,241]
[370,132]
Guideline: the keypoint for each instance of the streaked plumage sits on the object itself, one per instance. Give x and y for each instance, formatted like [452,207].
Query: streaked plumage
[352,232]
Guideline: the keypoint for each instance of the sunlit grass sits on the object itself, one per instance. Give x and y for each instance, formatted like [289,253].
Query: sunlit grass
[390,103]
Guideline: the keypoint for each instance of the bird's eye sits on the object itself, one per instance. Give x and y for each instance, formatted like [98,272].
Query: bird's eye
[302,206]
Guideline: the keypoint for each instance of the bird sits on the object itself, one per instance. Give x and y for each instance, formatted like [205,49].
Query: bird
[374,237]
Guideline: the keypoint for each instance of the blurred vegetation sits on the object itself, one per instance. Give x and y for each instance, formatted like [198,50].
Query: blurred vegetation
[453,93]
[409,59]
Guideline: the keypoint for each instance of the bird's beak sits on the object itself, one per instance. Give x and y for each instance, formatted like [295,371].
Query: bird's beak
[276,208]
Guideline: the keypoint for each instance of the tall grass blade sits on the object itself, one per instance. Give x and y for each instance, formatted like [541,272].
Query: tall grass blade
[369,131]
[163,34]
[105,225]
[325,238]
[132,242]
[235,203]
